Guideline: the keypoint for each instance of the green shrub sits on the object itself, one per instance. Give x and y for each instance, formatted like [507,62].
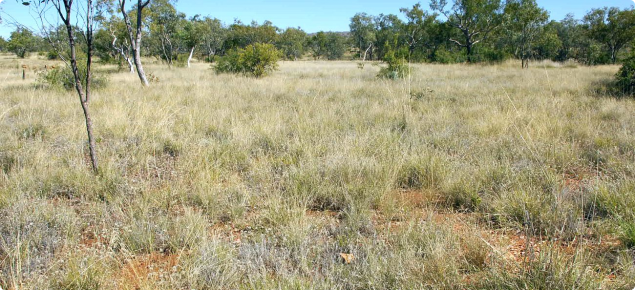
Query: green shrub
[397,66]
[63,77]
[256,60]
[626,77]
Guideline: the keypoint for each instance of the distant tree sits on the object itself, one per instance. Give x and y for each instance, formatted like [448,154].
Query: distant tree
[422,32]
[136,35]
[525,21]
[389,34]
[57,41]
[193,35]
[547,44]
[166,25]
[612,27]
[21,42]
[474,19]
[364,34]
[292,43]
[335,45]
[119,41]
[213,37]
[571,36]
[103,46]
[317,45]
[3,44]
[241,35]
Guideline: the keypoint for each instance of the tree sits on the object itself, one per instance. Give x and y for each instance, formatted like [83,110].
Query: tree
[292,43]
[3,44]
[135,36]
[241,35]
[193,35]
[317,44]
[65,10]
[166,26]
[389,34]
[120,41]
[364,34]
[422,32]
[213,37]
[335,45]
[525,22]
[612,27]
[548,44]
[21,42]
[474,19]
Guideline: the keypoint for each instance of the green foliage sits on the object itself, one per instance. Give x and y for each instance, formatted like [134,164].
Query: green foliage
[611,27]
[292,43]
[3,44]
[63,77]
[331,45]
[628,234]
[22,42]
[257,60]
[397,66]
[626,77]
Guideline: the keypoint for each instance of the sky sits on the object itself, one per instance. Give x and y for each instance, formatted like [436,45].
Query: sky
[310,15]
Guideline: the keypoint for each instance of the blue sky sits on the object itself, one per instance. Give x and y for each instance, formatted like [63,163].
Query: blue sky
[311,15]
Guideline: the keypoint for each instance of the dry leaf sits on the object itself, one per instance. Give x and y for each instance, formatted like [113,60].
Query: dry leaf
[348,258]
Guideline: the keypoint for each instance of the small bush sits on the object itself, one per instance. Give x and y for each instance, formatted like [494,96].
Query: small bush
[63,77]
[397,66]
[257,60]
[626,77]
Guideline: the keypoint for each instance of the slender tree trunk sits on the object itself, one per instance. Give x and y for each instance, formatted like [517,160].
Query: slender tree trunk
[189,58]
[468,46]
[84,96]
[136,40]
[129,62]
[121,51]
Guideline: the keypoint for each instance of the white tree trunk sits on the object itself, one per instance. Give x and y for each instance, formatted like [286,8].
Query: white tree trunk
[189,59]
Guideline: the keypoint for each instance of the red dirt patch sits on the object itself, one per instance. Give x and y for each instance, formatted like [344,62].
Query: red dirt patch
[142,270]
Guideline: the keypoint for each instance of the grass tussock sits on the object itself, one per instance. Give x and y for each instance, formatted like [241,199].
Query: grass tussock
[456,177]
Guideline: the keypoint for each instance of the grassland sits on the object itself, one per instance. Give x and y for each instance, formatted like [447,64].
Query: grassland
[321,176]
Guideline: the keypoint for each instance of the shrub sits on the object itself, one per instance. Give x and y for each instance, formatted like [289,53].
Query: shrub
[63,77]
[397,66]
[626,77]
[256,60]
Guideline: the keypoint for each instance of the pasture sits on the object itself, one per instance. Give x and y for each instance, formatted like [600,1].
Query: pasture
[320,176]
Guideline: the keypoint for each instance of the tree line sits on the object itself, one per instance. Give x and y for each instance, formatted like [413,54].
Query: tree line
[460,31]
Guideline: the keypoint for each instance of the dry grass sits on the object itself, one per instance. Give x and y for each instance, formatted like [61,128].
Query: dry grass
[225,182]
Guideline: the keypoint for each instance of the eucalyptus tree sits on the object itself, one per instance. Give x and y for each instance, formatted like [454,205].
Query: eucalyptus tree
[422,32]
[612,27]
[3,44]
[85,11]
[525,22]
[135,35]
[22,41]
[389,34]
[474,19]
[364,34]
[120,41]
[166,29]
[292,43]
[192,35]
[213,37]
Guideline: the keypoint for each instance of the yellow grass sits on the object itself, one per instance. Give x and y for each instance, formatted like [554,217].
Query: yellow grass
[227,182]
